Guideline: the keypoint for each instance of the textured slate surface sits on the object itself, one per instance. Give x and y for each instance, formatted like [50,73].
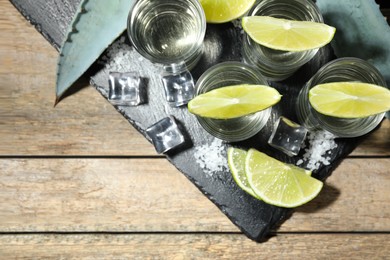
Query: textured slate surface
[222,43]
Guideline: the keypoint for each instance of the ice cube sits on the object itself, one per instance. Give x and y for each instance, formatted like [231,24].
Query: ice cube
[287,136]
[166,135]
[178,84]
[126,89]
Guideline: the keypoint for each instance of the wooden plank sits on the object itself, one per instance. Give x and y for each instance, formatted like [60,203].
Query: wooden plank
[376,143]
[355,198]
[102,194]
[195,246]
[81,125]
[146,195]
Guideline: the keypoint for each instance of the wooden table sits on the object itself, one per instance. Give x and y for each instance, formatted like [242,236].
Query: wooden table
[77,181]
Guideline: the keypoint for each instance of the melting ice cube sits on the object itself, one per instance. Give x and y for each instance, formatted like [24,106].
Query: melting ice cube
[166,135]
[126,89]
[178,84]
[287,136]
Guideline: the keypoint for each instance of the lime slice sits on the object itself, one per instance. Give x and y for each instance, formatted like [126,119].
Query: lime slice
[236,162]
[349,99]
[234,101]
[221,11]
[287,35]
[278,183]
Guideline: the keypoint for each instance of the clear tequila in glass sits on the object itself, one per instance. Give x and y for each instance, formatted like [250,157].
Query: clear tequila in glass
[274,64]
[168,31]
[339,70]
[228,74]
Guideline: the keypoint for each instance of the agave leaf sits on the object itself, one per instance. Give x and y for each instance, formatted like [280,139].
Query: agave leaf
[362,31]
[96,24]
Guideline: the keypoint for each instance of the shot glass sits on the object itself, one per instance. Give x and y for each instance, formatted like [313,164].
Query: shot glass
[228,74]
[168,31]
[277,65]
[343,69]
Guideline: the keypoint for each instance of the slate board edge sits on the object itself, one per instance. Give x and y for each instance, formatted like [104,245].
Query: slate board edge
[36,25]
[262,236]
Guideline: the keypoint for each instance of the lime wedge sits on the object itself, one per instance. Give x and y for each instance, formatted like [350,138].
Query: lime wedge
[278,183]
[287,35]
[236,162]
[234,101]
[221,11]
[349,99]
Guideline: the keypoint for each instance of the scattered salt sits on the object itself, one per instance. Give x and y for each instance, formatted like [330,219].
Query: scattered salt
[321,144]
[211,157]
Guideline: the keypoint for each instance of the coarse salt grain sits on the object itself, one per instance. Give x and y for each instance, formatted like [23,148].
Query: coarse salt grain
[211,157]
[321,144]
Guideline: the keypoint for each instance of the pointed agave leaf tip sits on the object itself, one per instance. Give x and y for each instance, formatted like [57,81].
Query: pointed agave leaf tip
[94,27]
[56,101]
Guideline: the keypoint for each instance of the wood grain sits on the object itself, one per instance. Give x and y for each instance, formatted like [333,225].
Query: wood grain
[376,143]
[59,172]
[188,246]
[80,125]
[146,195]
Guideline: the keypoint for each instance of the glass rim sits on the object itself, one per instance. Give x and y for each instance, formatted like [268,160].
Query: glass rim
[259,119]
[340,61]
[279,65]
[351,127]
[229,64]
[188,55]
[318,15]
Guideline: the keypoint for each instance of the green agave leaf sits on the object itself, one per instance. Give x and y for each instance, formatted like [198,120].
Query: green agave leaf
[362,31]
[96,24]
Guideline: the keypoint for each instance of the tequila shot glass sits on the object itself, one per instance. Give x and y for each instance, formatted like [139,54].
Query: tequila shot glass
[228,74]
[168,31]
[277,65]
[339,70]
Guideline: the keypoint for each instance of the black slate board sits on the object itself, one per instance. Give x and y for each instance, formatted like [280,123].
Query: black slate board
[222,43]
